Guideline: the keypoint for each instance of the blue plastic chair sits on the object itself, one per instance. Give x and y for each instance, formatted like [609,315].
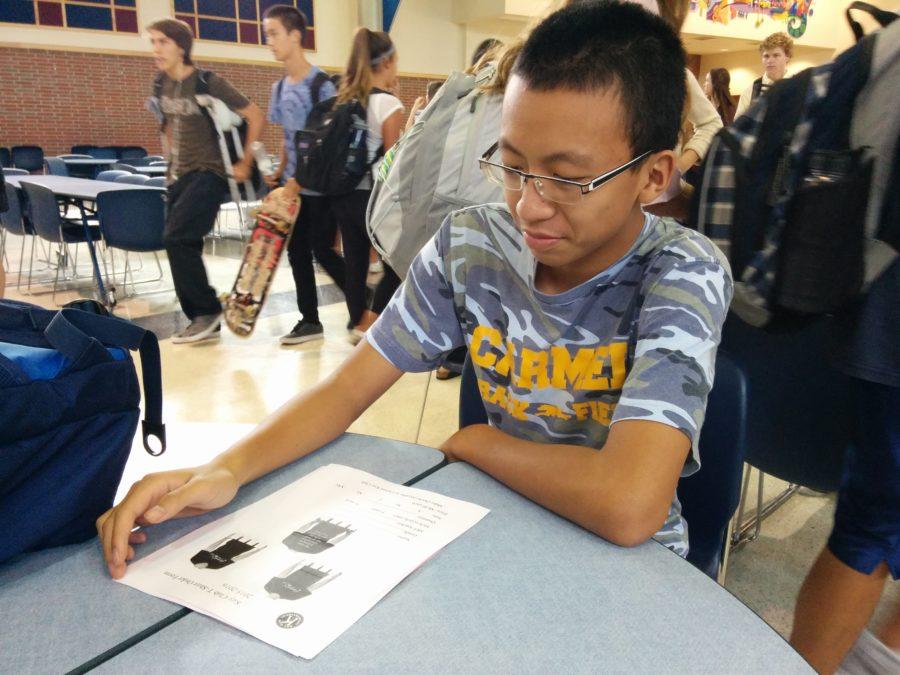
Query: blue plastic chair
[28,157]
[710,496]
[5,157]
[156,181]
[133,221]
[14,172]
[131,152]
[50,226]
[133,178]
[81,150]
[13,222]
[102,153]
[799,408]
[55,166]
[111,174]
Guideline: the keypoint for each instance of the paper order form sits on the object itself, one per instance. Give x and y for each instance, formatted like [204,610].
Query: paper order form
[299,567]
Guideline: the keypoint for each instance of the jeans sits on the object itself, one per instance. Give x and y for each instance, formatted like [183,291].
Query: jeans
[193,204]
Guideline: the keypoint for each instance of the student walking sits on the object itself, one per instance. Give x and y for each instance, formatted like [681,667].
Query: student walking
[371,73]
[196,174]
[293,97]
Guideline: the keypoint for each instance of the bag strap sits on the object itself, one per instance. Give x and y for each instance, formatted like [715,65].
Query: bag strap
[757,89]
[315,88]
[80,336]
[883,17]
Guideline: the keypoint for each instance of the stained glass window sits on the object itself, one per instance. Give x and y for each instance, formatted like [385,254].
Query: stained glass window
[119,16]
[238,21]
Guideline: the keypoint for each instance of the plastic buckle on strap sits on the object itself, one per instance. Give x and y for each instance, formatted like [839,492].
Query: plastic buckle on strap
[153,429]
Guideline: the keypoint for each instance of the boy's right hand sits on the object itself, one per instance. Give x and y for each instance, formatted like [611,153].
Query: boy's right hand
[273,180]
[156,498]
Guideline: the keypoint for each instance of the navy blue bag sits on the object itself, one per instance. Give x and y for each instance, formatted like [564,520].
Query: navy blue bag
[69,407]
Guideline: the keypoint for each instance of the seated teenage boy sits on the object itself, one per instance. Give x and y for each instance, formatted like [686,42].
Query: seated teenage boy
[593,327]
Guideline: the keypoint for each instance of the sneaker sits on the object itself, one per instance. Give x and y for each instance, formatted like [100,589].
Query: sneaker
[304,331]
[869,656]
[356,335]
[205,327]
[375,273]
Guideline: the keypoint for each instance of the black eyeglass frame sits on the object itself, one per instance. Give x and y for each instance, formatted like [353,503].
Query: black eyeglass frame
[586,188]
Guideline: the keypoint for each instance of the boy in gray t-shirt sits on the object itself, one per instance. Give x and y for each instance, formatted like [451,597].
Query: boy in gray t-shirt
[196,174]
[593,328]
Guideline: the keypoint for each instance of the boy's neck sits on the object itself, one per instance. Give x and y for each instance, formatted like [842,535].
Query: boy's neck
[180,72]
[556,280]
[297,66]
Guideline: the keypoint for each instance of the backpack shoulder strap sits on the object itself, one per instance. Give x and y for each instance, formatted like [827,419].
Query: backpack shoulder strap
[203,81]
[315,88]
[757,89]
[278,89]
[157,84]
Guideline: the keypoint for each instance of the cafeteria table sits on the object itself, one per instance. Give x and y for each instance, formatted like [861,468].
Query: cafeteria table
[61,608]
[523,591]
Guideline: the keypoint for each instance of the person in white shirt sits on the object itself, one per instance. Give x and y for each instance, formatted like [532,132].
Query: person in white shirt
[776,52]
[371,73]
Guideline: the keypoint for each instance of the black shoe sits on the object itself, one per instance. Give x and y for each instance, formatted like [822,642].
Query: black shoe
[304,331]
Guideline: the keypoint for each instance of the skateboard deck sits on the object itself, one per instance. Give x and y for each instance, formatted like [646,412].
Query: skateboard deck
[274,222]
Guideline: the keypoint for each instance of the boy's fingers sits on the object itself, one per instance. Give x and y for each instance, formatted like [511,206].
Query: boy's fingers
[118,527]
[188,497]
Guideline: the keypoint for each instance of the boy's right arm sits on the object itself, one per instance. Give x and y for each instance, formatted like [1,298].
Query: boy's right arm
[304,424]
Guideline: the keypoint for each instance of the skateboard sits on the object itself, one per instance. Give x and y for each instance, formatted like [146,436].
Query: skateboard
[274,222]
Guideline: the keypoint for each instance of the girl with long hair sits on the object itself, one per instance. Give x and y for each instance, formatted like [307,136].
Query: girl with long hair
[371,72]
[718,91]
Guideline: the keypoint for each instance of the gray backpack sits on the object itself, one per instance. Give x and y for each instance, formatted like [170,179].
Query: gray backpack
[433,169]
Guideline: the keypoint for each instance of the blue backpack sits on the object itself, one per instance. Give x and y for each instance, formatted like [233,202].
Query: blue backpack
[785,195]
[69,407]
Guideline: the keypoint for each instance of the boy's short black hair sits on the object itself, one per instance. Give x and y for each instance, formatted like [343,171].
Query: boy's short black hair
[597,45]
[290,17]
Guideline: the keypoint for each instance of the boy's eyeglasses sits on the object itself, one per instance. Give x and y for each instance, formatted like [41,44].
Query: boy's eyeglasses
[557,190]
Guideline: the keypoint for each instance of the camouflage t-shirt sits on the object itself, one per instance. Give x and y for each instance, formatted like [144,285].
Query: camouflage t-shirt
[637,341]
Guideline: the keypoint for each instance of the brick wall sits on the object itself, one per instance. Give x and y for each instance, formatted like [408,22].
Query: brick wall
[58,99]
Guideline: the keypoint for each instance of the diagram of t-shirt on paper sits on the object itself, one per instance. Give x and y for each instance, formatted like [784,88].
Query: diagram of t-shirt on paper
[299,581]
[225,552]
[317,535]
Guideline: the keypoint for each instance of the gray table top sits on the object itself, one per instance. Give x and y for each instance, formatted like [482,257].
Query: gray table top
[63,609]
[93,161]
[152,170]
[79,188]
[523,591]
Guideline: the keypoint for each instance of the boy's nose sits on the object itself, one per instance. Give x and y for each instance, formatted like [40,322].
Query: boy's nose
[531,207]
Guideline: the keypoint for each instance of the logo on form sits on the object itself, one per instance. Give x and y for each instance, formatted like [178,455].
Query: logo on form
[289,620]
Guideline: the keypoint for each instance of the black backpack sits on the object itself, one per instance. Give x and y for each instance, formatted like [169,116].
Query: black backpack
[785,196]
[332,151]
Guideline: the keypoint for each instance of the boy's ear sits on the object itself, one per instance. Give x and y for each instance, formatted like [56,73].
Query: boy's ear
[657,173]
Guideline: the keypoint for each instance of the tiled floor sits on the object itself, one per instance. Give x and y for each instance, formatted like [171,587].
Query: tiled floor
[242,380]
